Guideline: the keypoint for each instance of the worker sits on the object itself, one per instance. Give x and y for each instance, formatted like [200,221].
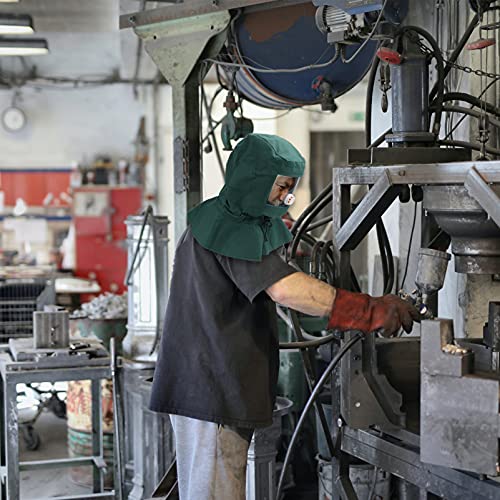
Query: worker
[217,367]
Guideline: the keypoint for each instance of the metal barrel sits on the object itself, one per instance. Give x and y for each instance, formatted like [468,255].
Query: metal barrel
[287,37]
[148,283]
[79,415]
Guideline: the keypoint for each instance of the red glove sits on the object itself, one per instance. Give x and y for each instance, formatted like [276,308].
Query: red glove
[358,311]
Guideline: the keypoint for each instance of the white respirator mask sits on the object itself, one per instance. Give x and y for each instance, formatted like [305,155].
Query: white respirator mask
[290,183]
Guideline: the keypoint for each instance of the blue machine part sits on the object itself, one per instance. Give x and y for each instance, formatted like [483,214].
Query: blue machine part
[287,37]
[352,7]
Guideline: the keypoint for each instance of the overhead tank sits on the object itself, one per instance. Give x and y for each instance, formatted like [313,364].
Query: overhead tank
[287,37]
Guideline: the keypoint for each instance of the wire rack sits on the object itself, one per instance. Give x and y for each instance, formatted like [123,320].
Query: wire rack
[19,298]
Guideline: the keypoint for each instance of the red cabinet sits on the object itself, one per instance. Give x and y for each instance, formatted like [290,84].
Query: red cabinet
[99,214]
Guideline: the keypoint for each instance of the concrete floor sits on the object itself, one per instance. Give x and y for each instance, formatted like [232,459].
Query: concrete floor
[48,483]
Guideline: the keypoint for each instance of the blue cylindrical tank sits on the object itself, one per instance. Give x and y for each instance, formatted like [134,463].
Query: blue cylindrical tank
[287,37]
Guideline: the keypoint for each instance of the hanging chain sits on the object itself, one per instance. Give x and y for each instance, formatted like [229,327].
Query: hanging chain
[466,69]
[483,129]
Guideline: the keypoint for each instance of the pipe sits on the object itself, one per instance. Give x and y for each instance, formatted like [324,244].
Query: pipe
[474,101]
[470,112]
[369,101]
[313,213]
[440,70]
[308,209]
[470,145]
[307,359]
[324,377]
[320,223]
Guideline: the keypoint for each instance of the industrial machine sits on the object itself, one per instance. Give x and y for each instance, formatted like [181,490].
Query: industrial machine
[424,409]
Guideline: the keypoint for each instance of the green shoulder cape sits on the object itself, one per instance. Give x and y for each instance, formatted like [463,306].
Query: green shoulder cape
[240,223]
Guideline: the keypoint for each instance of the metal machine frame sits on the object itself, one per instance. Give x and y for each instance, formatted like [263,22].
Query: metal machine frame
[378,435]
[177,37]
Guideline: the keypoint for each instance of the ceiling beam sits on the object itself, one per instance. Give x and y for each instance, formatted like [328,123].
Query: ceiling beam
[191,8]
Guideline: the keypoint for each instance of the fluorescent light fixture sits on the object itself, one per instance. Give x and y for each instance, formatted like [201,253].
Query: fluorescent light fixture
[16,24]
[23,46]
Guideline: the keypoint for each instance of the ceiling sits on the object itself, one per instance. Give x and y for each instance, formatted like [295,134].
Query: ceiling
[68,16]
[83,37]
[84,40]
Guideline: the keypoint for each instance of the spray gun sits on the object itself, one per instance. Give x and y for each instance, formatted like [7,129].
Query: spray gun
[431,271]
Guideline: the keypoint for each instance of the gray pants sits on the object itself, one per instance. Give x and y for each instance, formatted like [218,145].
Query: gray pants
[211,459]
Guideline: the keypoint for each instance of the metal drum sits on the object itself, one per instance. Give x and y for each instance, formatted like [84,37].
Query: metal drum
[148,284]
[79,415]
[287,37]
[149,440]
[157,443]
[261,466]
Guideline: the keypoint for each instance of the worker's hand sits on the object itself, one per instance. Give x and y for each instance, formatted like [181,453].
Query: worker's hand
[357,311]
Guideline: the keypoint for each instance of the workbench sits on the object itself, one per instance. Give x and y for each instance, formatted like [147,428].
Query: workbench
[54,368]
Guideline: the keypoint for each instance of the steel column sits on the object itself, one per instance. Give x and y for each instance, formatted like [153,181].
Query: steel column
[176,44]
[97,440]
[187,175]
[11,439]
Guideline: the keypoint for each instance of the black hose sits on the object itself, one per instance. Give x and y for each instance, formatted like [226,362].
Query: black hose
[436,52]
[383,255]
[309,239]
[456,52]
[306,344]
[331,269]
[369,98]
[311,206]
[314,257]
[390,261]
[312,398]
[306,221]
[320,223]
[132,270]
[474,101]
[331,266]
[386,250]
[307,359]
[212,100]
[470,145]
[326,252]
[211,128]
[470,112]
[479,96]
